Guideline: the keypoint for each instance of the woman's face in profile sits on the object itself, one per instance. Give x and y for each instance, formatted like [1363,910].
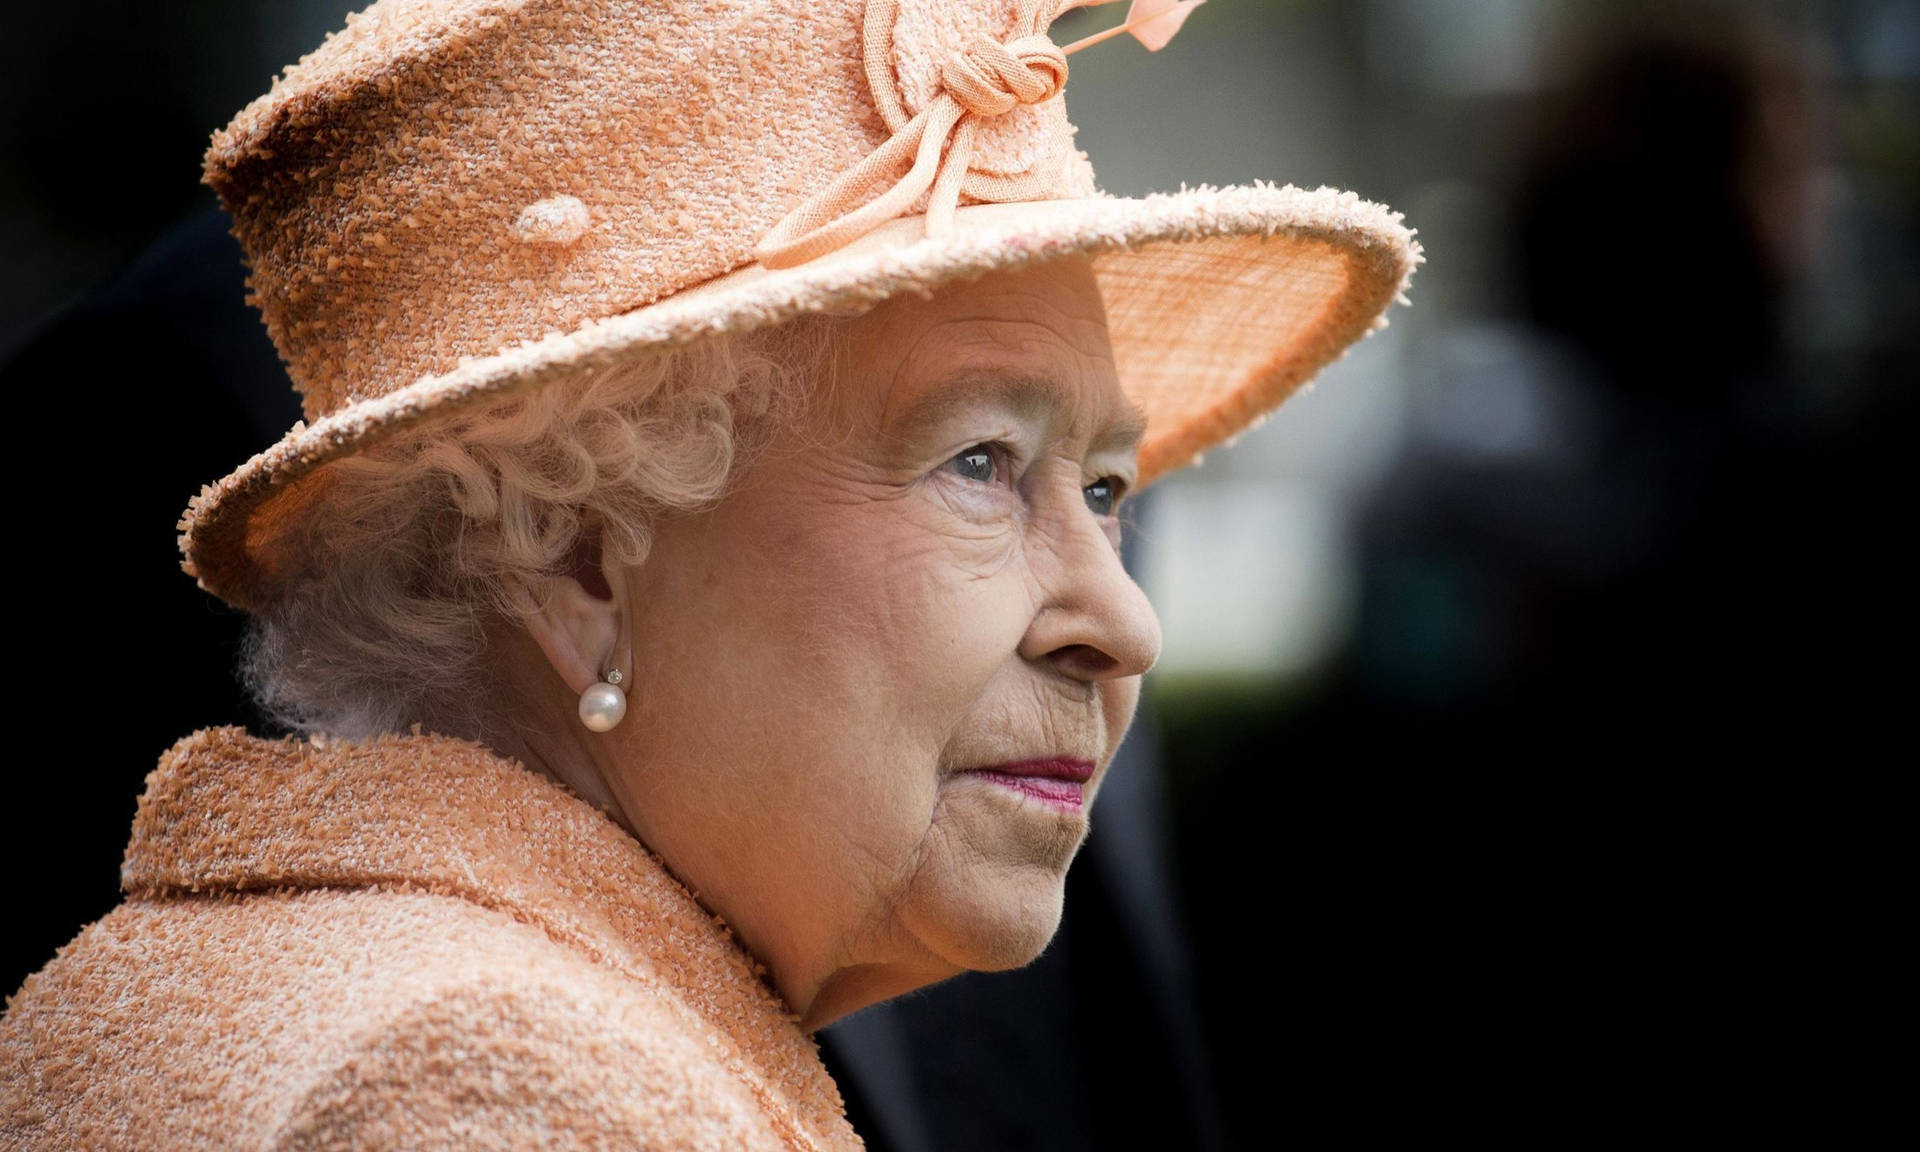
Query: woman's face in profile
[923,580]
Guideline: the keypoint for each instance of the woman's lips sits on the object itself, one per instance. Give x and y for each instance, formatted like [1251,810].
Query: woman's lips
[1058,781]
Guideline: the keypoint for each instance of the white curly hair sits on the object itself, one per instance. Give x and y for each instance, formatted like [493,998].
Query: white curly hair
[430,539]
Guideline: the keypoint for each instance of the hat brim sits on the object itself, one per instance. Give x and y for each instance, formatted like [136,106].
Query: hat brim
[1221,303]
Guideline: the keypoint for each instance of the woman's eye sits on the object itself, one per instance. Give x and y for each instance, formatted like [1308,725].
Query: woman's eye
[1102,494]
[977,463]
[982,464]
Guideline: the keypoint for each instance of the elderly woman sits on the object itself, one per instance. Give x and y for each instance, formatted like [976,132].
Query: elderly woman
[696,600]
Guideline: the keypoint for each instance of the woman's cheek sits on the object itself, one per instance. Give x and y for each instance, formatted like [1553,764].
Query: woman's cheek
[984,504]
[978,526]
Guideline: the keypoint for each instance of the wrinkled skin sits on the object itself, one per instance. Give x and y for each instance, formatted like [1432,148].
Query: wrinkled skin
[874,610]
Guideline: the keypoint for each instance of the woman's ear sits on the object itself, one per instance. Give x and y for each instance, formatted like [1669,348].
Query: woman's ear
[579,627]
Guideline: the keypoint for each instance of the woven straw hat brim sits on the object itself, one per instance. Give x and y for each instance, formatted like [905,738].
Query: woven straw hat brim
[1221,303]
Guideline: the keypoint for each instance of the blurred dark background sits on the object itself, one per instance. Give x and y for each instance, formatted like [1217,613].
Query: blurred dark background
[1511,766]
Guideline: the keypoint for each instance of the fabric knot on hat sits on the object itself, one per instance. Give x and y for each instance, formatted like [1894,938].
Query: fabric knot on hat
[987,78]
[990,78]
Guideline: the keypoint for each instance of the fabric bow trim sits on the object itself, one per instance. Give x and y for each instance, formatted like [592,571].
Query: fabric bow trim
[985,79]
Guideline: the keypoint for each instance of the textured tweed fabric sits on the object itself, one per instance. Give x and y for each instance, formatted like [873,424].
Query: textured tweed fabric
[404,943]
[451,200]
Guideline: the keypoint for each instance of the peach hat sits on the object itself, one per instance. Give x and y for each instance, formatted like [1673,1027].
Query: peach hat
[452,200]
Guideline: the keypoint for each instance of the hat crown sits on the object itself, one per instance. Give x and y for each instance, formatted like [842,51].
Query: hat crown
[445,180]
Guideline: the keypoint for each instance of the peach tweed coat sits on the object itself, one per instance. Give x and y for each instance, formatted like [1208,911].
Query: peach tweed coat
[409,942]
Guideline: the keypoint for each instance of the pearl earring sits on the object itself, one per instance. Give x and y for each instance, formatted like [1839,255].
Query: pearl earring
[602,705]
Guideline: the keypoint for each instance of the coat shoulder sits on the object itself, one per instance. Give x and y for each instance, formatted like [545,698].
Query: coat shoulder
[526,1062]
[363,1017]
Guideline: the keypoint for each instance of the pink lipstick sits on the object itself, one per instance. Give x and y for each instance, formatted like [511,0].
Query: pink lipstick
[1057,780]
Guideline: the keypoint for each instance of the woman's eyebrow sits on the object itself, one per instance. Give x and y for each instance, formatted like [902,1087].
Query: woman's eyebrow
[1126,431]
[1026,395]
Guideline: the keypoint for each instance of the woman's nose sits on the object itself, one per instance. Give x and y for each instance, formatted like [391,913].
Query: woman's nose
[1094,621]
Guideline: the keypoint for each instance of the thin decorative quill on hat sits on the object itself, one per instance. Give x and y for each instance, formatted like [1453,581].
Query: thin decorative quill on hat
[1152,22]
[986,79]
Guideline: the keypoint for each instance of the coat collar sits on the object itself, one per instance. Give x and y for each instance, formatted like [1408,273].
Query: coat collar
[226,810]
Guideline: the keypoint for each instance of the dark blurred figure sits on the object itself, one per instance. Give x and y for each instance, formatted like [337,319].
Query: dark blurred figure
[1543,847]
[1743,611]
[1661,210]
[1695,558]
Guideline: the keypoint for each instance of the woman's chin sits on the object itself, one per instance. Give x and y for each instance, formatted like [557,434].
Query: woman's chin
[1006,926]
[989,894]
